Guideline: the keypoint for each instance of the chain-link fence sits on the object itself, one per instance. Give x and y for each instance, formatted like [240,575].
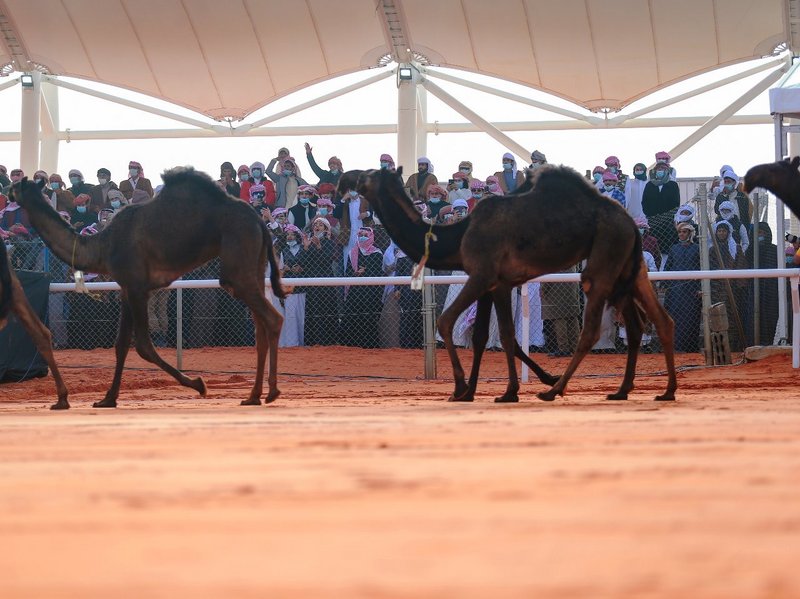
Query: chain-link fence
[393,315]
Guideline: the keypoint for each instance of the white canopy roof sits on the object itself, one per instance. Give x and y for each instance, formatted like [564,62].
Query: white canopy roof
[227,59]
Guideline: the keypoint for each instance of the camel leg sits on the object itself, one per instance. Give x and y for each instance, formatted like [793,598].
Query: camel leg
[268,322]
[633,330]
[505,321]
[41,337]
[121,348]
[541,373]
[665,328]
[144,345]
[480,335]
[472,290]
[590,333]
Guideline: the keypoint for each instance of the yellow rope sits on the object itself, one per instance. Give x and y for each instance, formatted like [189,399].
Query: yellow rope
[429,236]
[82,289]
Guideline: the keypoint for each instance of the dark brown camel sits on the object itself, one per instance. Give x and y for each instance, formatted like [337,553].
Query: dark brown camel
[388,209]
[781,178]
[509,240]
[13,300]
[147,246]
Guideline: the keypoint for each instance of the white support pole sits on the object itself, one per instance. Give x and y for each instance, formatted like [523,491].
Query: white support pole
[48,151]
[728,111]
[780,151]
[517,98]
[324,98]
[617,120]
[407,120]
[136,105]
[482,123]
[422,122]
[29,125]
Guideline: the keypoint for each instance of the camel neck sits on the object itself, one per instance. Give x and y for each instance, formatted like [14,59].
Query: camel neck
[79,252]
[408,230]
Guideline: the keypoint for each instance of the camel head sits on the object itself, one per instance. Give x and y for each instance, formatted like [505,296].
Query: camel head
[777,177]
[23,191]
[371,181]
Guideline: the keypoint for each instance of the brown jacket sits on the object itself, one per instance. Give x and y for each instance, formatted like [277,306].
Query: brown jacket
[502,180]
[411,186]
[127,188]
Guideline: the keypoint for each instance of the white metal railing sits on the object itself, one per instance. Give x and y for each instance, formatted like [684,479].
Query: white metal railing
[781,274]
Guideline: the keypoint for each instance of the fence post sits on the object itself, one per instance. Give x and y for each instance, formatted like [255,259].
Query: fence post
[429,326]
[179,327]
[705,284]
[756,229]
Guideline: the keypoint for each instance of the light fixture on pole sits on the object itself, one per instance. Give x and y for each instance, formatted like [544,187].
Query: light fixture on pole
[26,80]
[405,74]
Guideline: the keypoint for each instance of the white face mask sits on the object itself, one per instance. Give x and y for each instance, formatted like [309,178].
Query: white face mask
[102,181]
[133,172]
[292,243]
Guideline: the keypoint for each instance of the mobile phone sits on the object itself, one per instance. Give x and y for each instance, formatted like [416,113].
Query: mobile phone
[451,181]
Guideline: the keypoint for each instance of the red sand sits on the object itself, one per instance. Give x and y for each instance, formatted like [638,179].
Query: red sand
[375,487]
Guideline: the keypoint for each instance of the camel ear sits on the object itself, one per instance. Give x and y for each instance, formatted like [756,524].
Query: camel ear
[795,162]
[399,171]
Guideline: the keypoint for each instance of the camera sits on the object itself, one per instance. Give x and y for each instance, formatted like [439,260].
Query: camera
[792,238]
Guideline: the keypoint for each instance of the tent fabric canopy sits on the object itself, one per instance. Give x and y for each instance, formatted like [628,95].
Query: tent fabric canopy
[228,59]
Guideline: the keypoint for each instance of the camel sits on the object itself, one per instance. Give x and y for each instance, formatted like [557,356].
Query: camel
[147,246]
[13,300]
[386,207]
[781,178]
[506,241]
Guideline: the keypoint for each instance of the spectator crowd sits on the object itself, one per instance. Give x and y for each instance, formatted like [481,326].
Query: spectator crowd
[320,230]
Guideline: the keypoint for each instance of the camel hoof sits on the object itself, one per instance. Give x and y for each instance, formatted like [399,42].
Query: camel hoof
[60,405]
[547,395]
[272,396]
[665,397]
[507,398]
[199,385]
[617,396]
[253,401]
[106,403]
[466,397]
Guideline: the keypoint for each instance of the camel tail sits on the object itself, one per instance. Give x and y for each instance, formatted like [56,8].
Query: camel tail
[274,269]
[5,284]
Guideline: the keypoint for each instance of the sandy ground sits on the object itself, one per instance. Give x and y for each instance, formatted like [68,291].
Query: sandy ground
[373,486]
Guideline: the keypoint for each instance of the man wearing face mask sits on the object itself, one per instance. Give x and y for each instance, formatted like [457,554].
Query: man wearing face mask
[537,159]
[660,200]
[478,190]
[634,190]
[613,165]
[99,192]
[116,201]
[60,198]
[257,176]
[730,193]
[334,168]
[77,184]
[417,185]
[509,178]
[302,213]
[611,189]
[136,180]
[387,162]
[80,216]
[287,183]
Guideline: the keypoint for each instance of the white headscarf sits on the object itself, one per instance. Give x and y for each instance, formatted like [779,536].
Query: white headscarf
[684,218]
[731,241]
[424,160]
[510,156]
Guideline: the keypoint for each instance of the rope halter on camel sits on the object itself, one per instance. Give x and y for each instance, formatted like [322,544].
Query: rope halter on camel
[418,278]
